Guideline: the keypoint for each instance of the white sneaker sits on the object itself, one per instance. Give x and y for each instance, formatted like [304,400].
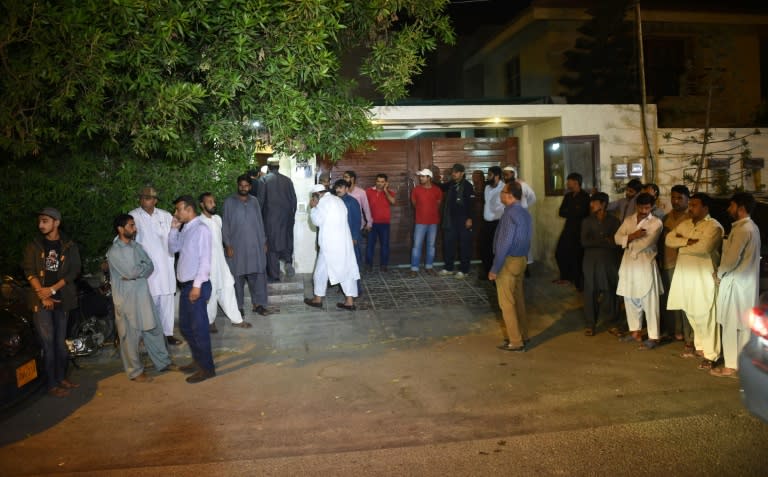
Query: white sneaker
[445,272]
[459,275]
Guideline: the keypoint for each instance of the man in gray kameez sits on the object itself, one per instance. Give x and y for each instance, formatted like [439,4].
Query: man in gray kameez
[129,267]
[277,198]
[245,245]
[601,262]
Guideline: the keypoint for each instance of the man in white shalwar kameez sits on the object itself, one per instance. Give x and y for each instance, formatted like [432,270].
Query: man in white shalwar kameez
[153,226]
[222,281]
[693,288]
[336,259]
[739,278]
[639,278]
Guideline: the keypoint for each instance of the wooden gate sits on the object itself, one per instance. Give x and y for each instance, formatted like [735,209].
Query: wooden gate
[401,159]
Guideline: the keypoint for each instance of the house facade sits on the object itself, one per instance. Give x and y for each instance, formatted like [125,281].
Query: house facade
[687,53]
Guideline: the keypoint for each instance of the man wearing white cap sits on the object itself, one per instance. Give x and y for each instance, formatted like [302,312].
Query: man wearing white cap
[336,259]
[153,226]
[426,200]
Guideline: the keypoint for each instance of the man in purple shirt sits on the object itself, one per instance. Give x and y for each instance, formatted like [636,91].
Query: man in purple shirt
[193,272]
[510,248]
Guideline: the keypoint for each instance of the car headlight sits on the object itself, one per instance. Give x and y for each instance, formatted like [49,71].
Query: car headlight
[10,344]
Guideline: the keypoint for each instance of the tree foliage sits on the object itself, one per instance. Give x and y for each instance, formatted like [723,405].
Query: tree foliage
[601,67]
[182,78]
[99,98]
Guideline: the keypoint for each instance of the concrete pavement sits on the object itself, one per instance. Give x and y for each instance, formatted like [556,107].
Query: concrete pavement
[394,389]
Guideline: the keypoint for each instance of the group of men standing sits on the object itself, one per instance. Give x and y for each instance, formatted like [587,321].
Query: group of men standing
[676,272]
[217,255]
[506,238]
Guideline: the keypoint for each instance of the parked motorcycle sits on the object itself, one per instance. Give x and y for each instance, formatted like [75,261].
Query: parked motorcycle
[92,324]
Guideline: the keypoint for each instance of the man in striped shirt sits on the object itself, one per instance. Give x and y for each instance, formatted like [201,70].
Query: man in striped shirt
[510,247]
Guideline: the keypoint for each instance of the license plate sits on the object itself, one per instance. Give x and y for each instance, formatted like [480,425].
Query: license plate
[26,373]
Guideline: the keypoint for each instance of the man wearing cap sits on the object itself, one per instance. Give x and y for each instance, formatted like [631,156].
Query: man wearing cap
[457,221]
[380,199]
[51,265]
[336,259]
[492,210]
[222,282]
[426,199]
[135,316]
[245,243]
[152,228]
[277,198]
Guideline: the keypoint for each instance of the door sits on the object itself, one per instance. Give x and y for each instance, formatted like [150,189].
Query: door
[401,159]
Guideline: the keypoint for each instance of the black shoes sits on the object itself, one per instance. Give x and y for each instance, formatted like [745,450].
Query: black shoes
[309,302]
[260,310]
[212,328]
[172,340]
[344,306]
[509,347]
[200,375]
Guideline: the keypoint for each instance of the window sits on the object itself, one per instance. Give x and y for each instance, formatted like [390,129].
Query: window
[665,60]
[512,77]
[568,154]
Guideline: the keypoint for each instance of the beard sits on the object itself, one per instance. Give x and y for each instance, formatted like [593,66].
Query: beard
[211,211]
[130,236]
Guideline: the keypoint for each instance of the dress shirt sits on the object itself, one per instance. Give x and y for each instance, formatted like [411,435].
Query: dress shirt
[513,235]
[493,208]
[194,246]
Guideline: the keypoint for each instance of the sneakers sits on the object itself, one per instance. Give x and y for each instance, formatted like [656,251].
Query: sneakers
[444,272]
[460,276]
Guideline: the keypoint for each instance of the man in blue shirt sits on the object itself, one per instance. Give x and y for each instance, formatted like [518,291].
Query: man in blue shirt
[193,271]
[510,248]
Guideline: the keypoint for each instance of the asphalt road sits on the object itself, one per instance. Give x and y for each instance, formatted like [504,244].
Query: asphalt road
[416,392]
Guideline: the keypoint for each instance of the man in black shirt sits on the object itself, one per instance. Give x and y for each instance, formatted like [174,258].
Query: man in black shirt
[51,265]
[457,221]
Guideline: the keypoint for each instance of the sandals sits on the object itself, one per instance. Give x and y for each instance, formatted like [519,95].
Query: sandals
[242,324]
[724,372]
[648,344]
[589,332]
[631,337]
[706,364]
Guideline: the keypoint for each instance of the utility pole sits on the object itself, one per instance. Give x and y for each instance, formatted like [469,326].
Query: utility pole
[648,153]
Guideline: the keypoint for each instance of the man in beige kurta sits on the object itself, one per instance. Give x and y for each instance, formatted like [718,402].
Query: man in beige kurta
[693,287]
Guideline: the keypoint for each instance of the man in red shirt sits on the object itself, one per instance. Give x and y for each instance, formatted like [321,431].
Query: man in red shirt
[380,199]
[426,199]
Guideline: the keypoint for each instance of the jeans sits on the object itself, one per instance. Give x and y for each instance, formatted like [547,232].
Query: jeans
[51,326]
[382,232]
[419,232]
[193,322]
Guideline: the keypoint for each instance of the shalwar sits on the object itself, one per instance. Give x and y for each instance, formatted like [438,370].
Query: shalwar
[336,259]
[693,287]
[222,282]
[739,274]
[639,279]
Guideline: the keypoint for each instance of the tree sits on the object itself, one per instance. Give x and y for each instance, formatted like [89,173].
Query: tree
[187,78]
[601,67]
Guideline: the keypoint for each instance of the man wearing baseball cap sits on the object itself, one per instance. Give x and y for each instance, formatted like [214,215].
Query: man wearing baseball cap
[51,265]
[425,198]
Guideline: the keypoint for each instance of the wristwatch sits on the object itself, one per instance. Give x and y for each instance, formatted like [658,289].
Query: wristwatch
[53,291]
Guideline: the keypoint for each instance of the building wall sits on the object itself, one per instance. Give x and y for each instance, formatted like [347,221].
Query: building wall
[675,159]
